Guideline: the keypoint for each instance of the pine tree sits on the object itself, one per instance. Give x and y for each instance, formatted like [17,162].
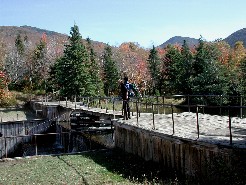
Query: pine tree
[97,85]
[154,69]
[71,72]
[209,75]
[111,74]
[39,66]
[173,65]
[185,70]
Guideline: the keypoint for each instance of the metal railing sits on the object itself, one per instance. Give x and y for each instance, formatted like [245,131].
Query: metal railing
[153,104]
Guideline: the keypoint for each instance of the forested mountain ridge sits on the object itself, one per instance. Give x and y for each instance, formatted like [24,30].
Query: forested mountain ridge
[179,40]
[8,34]
[239,35]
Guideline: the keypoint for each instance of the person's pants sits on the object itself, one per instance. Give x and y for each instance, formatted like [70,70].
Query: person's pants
[126,109]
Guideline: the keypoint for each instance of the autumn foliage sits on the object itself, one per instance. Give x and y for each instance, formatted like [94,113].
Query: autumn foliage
[4,93]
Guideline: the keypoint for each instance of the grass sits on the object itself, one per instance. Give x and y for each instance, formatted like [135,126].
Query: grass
[95,167]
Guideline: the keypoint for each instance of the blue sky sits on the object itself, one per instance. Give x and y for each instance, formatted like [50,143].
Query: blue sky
[147,22]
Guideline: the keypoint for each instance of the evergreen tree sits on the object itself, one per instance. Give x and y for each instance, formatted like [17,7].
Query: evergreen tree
[242,77]
[185,70]
[97,85]
[173,66]
[154,69]
[19,45]
[71,72]
[111,74]
[209,75]
[39,66]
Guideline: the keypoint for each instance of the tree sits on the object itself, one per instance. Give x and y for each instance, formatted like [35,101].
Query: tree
[171,75]
[39,65]
[242,77]
[185,70]
[71,71]
[3,87]
[94,71]
[238,53]
[15,63]
[154,69]
[111,74]
[209,75]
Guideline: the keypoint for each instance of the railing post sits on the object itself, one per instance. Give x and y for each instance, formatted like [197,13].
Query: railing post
[163,102]
[113,108]
[146,105]
[5,146]
[158,110]
[172,118]
[230,125]
[220,104]
[197,124]
[189,102]
[139,108]
[137,111]
[75,101]
[88,102]
[106,105]
[132,107]
[122,107]
[153,115]
[36,147]
[66,101]
[100,105]
[241,104]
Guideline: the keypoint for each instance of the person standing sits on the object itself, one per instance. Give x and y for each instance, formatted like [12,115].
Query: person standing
[125,86]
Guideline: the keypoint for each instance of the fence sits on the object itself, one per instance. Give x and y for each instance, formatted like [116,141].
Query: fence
[223,105]
[146,105]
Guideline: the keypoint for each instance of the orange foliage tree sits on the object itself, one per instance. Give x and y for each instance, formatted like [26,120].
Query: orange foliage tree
[3,87]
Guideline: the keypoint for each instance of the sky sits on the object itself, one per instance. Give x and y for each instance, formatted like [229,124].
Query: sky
[146,22]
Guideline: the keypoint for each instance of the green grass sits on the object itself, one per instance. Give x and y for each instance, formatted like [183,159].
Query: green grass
[98,167]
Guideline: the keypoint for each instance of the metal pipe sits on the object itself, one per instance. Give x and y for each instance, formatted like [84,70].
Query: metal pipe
[5,146]
[36,147]
[153,114]
[158,109]
[146,105]
[106,105]
[113,109]
[189,102]
[137,111]
[197,124]
[241,104]
[139,108]
[220,105]
[75,101]
[163,101]
[172,118]
[230,125]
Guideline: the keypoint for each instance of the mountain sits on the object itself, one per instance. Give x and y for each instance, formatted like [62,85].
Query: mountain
[180,40]
[239,35]
[55,41]
[8,34]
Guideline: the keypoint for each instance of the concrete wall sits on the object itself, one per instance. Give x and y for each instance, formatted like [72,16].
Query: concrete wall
[183,156]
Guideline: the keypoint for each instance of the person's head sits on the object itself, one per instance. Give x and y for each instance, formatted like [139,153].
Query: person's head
[125,79]
[120,81]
